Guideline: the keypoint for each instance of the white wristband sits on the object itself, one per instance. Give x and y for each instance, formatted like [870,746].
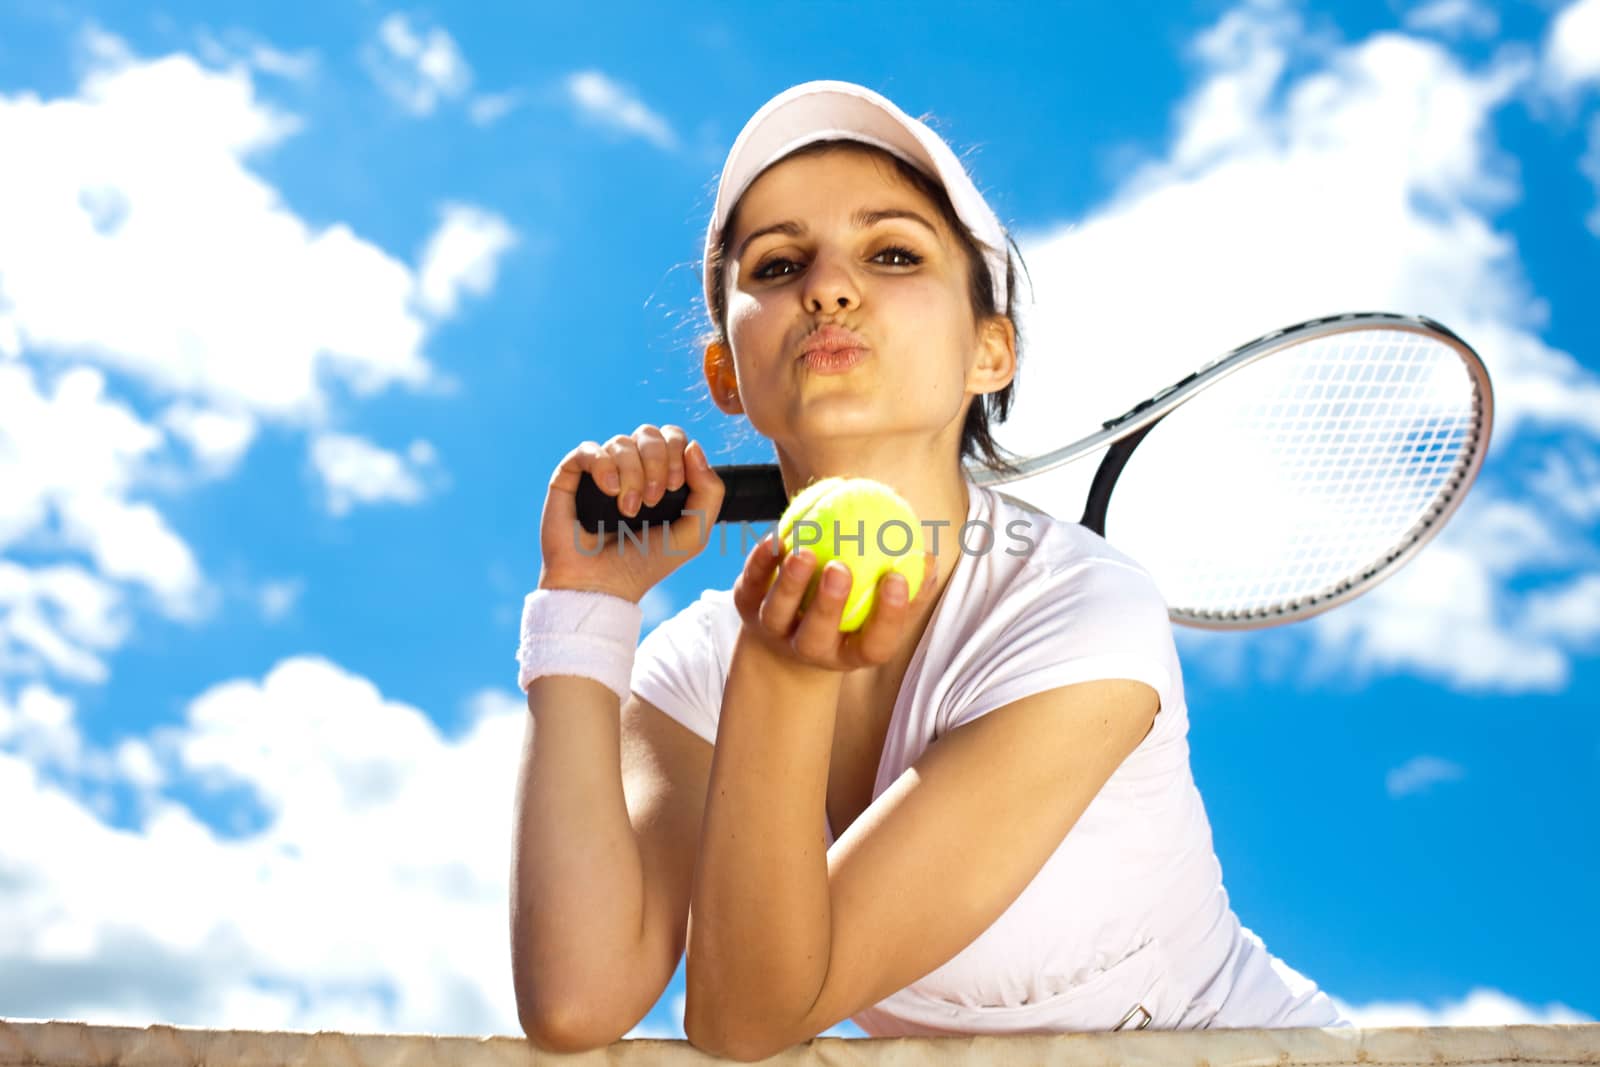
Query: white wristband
[574,632]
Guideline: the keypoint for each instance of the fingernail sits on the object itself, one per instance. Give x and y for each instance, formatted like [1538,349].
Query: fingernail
[696,455]
[895,590]
[836,579]
[652,489]
[611,481]
[630,502]
[675,477]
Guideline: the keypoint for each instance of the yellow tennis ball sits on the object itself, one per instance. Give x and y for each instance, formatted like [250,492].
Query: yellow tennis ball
[863,523]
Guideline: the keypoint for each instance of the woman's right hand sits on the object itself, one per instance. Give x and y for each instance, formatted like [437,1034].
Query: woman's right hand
[639,468]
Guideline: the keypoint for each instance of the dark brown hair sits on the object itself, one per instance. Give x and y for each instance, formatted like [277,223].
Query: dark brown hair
[976,440]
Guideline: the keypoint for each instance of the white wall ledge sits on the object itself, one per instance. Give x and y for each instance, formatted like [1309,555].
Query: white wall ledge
[28,1043]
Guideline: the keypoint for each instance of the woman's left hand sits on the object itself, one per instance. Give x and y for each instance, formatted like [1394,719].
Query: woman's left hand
[771,610]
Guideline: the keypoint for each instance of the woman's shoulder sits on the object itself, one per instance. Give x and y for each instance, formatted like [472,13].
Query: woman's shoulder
[1060,582]
[1070,608]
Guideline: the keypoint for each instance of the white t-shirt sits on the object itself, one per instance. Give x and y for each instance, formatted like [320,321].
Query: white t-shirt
[1129,911]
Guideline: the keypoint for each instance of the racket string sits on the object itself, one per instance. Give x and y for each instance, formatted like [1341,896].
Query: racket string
[1332,451]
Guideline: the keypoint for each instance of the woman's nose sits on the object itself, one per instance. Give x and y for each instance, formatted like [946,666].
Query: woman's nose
[830,286]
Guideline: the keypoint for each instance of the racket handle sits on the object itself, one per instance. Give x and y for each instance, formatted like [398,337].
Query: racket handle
[753,492]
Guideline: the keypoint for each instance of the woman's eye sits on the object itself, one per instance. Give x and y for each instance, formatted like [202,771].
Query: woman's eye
[769,269]
[906,257]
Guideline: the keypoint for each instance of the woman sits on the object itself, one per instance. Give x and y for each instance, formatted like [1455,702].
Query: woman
[975,814]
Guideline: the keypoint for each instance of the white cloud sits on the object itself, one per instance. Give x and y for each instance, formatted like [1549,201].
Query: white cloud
[40,732]
[1454,18]
[69,452]
[344,818]
[137,202]
[1246,54]
[490,108]
[1480,1007]
[136,763]
[417,67]
[209,295]
[608,103]
[278,599]
[239,47]
[1572,50]
[1450,614]
[40,727]
[62,439]
[1571,64]
[295,66]
[355,471]
[1420,774]
[58,618]
[1570,612]
[1570,481]
[1306,176]
[216,439]
[131,541]
[461,256]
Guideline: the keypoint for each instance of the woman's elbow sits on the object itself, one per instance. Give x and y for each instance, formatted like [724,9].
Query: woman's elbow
[714,1039]
[741,1052]
[552,1029]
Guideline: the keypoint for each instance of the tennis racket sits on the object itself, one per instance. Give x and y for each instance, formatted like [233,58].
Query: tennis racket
[1288,476]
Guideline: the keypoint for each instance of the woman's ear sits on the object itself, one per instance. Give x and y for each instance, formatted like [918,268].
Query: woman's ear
[721,380]
[996,361]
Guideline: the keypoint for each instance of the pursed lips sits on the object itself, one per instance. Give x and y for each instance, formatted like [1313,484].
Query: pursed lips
[831,341]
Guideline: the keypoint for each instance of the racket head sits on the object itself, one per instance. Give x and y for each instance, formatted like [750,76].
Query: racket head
[1298,471]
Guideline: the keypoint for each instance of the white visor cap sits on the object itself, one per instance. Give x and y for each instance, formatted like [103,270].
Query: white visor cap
[835,110]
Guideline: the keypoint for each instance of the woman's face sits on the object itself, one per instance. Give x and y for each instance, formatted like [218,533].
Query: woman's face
[841,239]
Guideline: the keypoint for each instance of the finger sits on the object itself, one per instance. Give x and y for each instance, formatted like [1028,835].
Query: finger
[652,448]
[624,452]
[586,458]
[782,602]
[880,636]
[704,502]
[677,440]
[756,578]
[570,470]
[818,635]
[561,506]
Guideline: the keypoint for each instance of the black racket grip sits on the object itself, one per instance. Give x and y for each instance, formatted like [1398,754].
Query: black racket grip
[753,492]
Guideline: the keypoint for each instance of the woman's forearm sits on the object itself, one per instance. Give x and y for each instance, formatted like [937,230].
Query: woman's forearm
[577,878]
[761,930]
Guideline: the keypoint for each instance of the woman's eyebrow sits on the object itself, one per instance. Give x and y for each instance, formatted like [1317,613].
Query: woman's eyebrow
[862,219]
[791,228]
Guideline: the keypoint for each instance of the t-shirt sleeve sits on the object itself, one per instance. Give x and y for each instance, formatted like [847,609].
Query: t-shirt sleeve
[1093,619]
[678,668]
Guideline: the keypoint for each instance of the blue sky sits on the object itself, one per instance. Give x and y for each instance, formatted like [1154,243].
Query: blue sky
[298,312]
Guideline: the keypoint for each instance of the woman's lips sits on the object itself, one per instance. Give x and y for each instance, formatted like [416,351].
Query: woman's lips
[833,360]
[833,349]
